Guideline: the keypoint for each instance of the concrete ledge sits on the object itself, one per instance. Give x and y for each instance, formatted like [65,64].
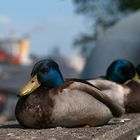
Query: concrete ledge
[125,128]
[128,131]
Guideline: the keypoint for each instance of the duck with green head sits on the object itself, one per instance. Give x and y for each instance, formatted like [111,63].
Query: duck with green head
[49,101]
[120,71]
[121,84]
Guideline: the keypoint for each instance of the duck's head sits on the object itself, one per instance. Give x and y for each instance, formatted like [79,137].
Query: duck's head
[120,71]
[44,73]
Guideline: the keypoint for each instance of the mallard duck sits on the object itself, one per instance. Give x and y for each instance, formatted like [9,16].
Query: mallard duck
[119,72]
[50,101]
[121,84]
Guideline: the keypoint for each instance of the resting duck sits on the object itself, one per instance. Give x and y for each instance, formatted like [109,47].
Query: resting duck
[49,101]
[121,84]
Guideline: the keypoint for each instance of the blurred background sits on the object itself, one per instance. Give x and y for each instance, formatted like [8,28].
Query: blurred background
[83,36]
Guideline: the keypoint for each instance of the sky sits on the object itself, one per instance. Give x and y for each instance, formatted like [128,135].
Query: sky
[49,23]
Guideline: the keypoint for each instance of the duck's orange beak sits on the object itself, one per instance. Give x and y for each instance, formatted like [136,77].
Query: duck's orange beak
[29,87]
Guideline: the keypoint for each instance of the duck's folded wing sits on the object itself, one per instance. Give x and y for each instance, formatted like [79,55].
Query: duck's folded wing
[115,108]
[103,84]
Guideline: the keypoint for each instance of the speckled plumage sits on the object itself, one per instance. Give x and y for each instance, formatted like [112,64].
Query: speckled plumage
[66,107]
[71,104]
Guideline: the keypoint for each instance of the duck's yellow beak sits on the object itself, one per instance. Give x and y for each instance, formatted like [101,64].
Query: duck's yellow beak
[29,87]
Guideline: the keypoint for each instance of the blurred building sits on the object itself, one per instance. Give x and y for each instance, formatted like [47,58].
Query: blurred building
[14,72]
[122,41]
[15,51]
[12,78]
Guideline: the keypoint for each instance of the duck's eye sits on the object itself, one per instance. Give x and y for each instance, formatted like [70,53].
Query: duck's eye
[44,70]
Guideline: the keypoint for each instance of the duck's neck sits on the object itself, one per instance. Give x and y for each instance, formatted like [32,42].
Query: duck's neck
[58,81]
[115,79]
[55,80]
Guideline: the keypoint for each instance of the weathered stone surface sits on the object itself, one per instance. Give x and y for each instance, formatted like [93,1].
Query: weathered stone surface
[127,127]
